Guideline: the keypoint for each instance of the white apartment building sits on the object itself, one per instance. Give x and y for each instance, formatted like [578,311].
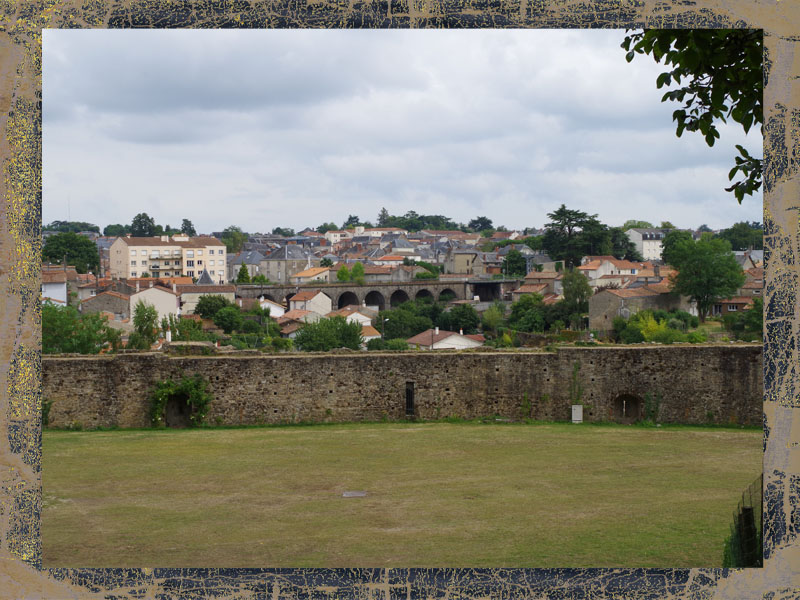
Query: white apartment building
[162,256]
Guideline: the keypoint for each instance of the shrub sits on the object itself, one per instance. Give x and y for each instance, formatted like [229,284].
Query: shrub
[281,344]
[667,336]
[696,337]
[397,344]
[631,335]
[676,324]
[250,326]
[376,344]
[228,318]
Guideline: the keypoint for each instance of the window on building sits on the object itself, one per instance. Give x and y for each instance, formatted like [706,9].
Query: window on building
[199,253]
[144,263]
[189,263]
[133,252]
[211,272]
[133,263]
[211,263]
[190,253]
[199,262]
[190,273]
[133,273]
[731,308]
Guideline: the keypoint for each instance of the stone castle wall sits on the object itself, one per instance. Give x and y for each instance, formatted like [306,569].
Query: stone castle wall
[695,384]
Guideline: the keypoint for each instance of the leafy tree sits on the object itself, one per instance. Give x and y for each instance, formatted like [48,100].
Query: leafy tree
[66,330]
[527,313]
[744,235]
[327,334]
[561,234]
[284,231]
[403,322]
[480,224]
[143,226]
[80,251]
[493,318]
[187,228]
[670,241]
[514,264]
[723,79]
[260,278]
[116,230]
[208,305]
[228,318]
[622,246]
[343,274]
[577,291]
[326,262]
[357,273]
[244,275]
[383,218]
[666,225]
[634,224]
[463,316]
[707,271]
[352,221]
[234,238]
[325,227]
[71,226]
[704,228]
[145,326]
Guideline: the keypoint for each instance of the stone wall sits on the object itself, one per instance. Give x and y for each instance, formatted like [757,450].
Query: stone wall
[696,384]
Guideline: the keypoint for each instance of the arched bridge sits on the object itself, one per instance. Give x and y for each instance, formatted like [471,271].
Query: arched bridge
[384,294]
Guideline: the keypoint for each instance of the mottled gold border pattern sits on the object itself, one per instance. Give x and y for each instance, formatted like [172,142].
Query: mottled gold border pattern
[21,576]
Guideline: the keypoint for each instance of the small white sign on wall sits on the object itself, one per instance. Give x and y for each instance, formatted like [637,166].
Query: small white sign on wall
[577,413]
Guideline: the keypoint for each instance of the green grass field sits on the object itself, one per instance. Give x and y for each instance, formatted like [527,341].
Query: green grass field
[438,494]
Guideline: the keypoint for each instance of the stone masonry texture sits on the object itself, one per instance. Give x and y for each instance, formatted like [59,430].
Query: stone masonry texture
[720,384]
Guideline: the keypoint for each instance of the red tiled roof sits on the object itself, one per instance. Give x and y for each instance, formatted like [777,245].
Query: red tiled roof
[632,293]
[113,294]
[54,277]
[531,288]
[305,295]
[206,289]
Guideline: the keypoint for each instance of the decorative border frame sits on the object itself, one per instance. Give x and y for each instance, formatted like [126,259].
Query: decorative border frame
[21,575]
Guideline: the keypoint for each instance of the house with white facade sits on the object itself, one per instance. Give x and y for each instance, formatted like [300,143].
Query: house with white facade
[439,339]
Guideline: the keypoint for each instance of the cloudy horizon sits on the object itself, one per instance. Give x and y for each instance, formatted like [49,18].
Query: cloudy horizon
[295,128]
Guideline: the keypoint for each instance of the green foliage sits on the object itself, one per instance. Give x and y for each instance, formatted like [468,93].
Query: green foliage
[234,238]
[707,271]
[184,330]
[343,274]
[696,337]
[65,330]
[409,319]
[250,326]
[480,224]
[425,275]
[357,273]
[228,318]
[652,402]
[208,305]
[463,316]
[577,291]
[670,241]
[46,406]
[527,313]
[143,225]
[514,264]
[723,79]
[575,385]
[244,275]
[396,344]
[327,334]
[634,224]
[192,390]
[631,335]
[260,278]
[744,235]
[748,324]
[326,262]
[71,226]
[145,322]
[376,344]
[493,317]
[281,344]
[324,228]
[117,230]
[187,228]
[284,231]
[80,251]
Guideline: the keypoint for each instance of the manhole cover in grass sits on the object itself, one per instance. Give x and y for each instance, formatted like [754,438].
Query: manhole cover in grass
[354,494]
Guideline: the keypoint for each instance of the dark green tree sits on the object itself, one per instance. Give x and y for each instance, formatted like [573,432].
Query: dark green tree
[666,225]
[357,274]
[327,334]
[284,231]
[234,238]
[352,221]
[514,264]
[143,226]
[561,238]
[383,218]
[719,76]
[707,271]
[208,305]
[577,291]
[634,224]
[228,318]
[66,330]
[326,262]
[744,236]
[116,230]
[260,278]
[480,224]
[343,274]
[244,275]
[670,241]
[527,313]
[622,246]
[463,316]
[79,251]
[187,228]
[71,226]
[327,227]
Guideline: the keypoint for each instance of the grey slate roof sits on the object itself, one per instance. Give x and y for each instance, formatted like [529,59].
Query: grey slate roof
[205,279]
[289,252]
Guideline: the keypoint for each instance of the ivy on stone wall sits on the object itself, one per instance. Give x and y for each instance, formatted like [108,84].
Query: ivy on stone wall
[192,390]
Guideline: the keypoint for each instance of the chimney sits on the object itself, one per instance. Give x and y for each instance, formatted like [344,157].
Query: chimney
[436,331]
[137,286]
[240,303]
[151,283]
[460,332]
[174,288]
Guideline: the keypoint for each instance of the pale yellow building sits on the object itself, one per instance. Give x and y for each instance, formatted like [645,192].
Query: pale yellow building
[165,256]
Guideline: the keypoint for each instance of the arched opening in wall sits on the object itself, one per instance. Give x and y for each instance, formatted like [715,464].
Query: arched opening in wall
[375,298]
[446,295]
[627,408]
[425,295]
[288,298]
[346,299]
[398,298]
[177,412]
[266,297]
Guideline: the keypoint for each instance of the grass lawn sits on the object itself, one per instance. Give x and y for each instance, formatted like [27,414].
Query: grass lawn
[438,494]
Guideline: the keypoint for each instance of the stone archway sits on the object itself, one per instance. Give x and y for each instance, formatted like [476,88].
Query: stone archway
[375,298]
[346,299]
[287,299]
[424,295]
[398,297]
[177,412]
[627,408]
[446,295]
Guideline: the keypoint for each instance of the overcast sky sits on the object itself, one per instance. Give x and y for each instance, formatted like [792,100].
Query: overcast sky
[294,128]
